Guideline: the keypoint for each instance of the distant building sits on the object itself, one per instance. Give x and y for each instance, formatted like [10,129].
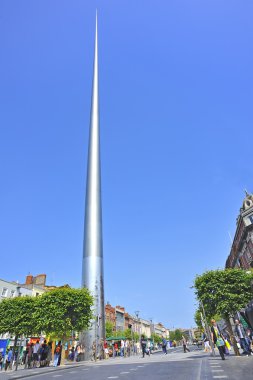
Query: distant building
[120,318]
[241,254]
[129,322]
[110,315]
[37,284]
[161,330]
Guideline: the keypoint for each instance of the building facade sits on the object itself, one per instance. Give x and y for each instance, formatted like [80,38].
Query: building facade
[241,254]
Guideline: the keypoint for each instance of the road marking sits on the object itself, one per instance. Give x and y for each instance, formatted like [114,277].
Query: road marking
[112,377]
[57,375]
[141,366]
[220,377]
[122,373]
[215,366]
[217,370]
[133,369]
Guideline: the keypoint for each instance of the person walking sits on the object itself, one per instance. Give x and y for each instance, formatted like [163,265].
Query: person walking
[164,346]
[185,348]
[218,339]
[143,345]
[241,335]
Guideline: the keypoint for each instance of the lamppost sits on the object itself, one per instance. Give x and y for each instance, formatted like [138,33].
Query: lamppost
[138,319]
[152,332]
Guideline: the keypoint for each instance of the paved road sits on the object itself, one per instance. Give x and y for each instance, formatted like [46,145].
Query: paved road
[195,365]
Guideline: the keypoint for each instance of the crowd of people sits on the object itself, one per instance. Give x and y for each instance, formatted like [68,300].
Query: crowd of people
[35,355]
[223,340]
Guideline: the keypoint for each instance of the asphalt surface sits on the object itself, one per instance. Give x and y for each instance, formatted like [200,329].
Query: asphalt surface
[195,365]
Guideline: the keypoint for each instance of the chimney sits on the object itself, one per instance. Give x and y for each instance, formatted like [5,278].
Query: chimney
[40,279]
[29,280]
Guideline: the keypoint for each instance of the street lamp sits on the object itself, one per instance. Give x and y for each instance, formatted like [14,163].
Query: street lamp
[137,312]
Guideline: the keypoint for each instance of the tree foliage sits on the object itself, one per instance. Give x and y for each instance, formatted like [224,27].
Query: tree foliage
[108,329]
[56,313]
[62,311]
[224,292]
[156,338]
[176,335]
[17,316]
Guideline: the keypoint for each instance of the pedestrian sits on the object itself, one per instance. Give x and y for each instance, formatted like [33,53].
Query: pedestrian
[207,347]
[164,346]
[218,339]
[9,358]
[43,354]
[185,348]
[249,339]
[143,345]
[49,354]
[59,359]
[241,335]
[1,360]
[36,350]
[57,353]
[122,347]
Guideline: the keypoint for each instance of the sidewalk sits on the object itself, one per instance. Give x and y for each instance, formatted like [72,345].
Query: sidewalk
[22,373]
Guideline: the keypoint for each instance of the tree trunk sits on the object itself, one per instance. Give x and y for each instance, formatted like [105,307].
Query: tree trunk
[14,350]
[18,355]
[233,340]
[63,351]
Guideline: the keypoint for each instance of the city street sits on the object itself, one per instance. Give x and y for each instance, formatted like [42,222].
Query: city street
[195,365]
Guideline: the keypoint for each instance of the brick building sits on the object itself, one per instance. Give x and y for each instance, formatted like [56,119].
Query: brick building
[110,315]
[241,254]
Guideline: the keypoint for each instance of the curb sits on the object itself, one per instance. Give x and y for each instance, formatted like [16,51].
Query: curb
[16,375]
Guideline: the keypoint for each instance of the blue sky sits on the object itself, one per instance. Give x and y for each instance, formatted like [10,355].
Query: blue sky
[176,142]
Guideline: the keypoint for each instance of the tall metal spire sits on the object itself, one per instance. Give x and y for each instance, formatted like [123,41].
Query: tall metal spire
[92,276]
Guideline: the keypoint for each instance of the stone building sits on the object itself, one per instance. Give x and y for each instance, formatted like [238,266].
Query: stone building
[241,254]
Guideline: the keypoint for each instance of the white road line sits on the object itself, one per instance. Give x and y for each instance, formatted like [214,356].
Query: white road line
[112,377]
[141,366]
[217,370]
[220,377]
[122,373]
[215,366]
[73,372]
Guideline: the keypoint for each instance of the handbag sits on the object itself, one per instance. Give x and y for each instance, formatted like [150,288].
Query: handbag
[227,345]
[220,342]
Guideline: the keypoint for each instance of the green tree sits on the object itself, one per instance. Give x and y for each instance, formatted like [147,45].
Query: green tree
[17,316]
[108,329]
[197,318]
[128,334]
[176,335]
[62,311]
[224,292]
[156,338]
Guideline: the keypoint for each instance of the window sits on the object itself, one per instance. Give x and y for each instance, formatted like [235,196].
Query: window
[4,292]
[251,218]
[12,293]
